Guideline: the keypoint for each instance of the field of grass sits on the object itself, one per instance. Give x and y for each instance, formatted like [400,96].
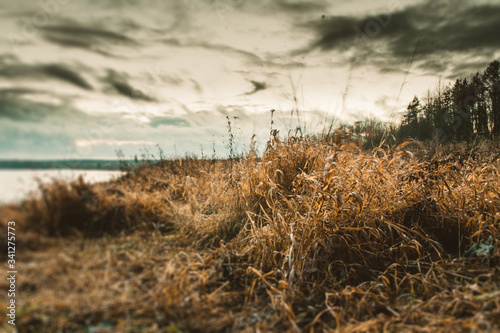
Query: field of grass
[312,236]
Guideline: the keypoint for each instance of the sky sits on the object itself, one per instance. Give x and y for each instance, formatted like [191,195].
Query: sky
[82,79]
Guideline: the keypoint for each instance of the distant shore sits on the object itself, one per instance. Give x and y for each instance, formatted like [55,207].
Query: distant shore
[67,164]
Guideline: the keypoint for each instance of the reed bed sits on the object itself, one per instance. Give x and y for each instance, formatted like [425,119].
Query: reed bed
[312,236]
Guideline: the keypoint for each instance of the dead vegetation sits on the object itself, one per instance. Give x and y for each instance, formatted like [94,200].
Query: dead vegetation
[312,236]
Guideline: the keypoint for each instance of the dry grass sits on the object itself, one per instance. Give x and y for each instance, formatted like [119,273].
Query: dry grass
[310,237]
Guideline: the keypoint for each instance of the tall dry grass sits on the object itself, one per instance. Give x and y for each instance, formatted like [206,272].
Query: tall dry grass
[311,236]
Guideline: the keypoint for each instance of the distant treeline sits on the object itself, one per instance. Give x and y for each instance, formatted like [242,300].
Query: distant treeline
[468,109]
[463,111]
[66,164]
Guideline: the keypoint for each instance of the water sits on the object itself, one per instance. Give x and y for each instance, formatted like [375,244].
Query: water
[17,184]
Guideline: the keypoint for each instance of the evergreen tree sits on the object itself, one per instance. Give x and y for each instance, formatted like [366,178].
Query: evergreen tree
[437,114]
[410,122]
[491,79]
[461,112]
[480,107]
[447,111]
[468,108]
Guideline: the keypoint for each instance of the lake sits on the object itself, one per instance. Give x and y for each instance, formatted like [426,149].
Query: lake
[16,184]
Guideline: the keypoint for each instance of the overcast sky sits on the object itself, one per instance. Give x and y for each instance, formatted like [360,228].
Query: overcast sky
[83,78]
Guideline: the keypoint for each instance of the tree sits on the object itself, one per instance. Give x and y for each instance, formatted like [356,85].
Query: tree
[491,79]
[480,107]
[446,107]
[410,121]
[436,112]
[461,113]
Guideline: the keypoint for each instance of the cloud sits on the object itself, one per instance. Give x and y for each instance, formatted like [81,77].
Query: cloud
[17,109]
[26,105]
[31,142]
[65,74]
[461,70]
[252,58]
[389,39]
[168,121]
[90,39]
[290,8]
[172,79]
[34,129]
[14,69]
[300,6]
[196,85]
[30,128]
[87,34]
[11,68]
[257,86]
[119,83]
[17,91]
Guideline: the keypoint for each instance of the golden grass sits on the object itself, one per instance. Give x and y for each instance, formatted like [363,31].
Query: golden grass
[311,236]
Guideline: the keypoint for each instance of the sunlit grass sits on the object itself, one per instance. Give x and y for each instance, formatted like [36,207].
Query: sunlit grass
[313,235]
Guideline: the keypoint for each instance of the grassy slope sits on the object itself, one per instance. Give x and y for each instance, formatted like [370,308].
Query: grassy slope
[309,237]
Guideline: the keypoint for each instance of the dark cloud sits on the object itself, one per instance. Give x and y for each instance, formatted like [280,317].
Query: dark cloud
[21,110]
[461,70]
[63,73]
[300,6]
[433,65]
[89,34]
[344,32]
[69,42]
[290,8]
[11,68]
[14,69]
[257,86]
[120,84]
[389,39]
[16,106]
[90,39]
[168,121]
